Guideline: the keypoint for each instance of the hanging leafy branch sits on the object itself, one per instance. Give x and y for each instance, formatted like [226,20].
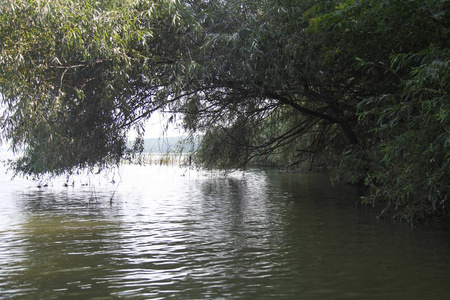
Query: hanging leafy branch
[73,79]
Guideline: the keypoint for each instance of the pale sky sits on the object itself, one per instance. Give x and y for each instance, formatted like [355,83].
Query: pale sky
[154,127]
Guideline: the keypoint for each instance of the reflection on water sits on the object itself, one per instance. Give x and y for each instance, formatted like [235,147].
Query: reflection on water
[175,233]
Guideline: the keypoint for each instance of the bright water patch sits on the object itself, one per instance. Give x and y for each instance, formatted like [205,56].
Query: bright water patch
[184,234]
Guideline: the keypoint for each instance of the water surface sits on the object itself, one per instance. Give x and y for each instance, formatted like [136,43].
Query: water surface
[163,232]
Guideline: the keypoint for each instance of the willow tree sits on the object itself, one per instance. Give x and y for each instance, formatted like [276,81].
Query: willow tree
[402,48]
[408,112]
[258,88]
[77,75]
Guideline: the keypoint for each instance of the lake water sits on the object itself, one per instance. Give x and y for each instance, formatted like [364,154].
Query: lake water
[162,232]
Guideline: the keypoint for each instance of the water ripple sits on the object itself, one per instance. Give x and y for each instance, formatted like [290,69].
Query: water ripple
[248,235]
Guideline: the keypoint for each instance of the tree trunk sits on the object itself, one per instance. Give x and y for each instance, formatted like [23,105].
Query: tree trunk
[348,133]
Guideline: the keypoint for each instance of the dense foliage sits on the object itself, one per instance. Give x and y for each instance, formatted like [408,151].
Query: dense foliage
[358,85]
[409,109]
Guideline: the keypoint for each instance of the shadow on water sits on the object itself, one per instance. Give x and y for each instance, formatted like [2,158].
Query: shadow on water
[194,235]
